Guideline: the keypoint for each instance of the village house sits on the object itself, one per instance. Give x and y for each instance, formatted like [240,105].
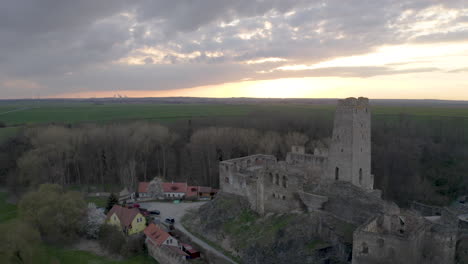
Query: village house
[128,220]
[165,248]
[174,191]
[143,190]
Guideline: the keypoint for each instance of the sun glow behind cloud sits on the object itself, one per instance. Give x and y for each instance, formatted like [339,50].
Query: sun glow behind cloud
[451,56]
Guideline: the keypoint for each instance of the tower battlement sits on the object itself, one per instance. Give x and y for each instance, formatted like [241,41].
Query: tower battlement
[352,102]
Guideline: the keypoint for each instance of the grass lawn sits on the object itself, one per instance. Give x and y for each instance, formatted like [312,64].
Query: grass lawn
[7,211]
[64,256]
[99,201]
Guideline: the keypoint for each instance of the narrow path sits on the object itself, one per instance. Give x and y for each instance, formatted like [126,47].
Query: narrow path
[15,110]
[202,243]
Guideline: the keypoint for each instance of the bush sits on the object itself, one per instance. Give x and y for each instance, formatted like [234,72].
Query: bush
[135,245]
[20,243]
[111,239]
[58,215]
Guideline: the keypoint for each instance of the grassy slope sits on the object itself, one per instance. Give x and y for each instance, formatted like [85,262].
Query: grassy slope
[75,256]
[8,212]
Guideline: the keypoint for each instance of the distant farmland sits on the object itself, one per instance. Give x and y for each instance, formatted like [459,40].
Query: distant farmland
[15,116]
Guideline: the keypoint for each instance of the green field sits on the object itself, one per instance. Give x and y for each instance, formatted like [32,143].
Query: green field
[74,112]
[86,112]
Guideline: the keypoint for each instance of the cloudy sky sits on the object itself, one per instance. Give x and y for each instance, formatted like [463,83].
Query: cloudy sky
[226,48]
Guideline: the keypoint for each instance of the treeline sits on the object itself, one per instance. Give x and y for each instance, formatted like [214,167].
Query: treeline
[414,158]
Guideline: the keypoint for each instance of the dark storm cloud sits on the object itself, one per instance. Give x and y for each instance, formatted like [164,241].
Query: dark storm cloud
[60,46]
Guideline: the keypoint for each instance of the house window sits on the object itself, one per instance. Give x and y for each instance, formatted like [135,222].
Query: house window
[274,195]
[337,173]
[284,197]
[271,178]
[277,179]
[226,179]
[285,181]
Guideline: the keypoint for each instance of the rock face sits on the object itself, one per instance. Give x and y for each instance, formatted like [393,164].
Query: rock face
[228,221]
[350,202]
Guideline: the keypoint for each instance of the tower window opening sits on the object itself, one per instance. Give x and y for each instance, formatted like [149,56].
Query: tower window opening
[337,173]
[360,176]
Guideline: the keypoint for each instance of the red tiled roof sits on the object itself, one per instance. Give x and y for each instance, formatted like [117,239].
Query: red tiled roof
[192,191]
[125,215]
[156,234]
[143,187]
[175,187]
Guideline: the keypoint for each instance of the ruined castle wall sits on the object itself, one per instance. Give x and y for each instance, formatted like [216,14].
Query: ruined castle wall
[241,176]
[439,245]
[381,248]
[280,188]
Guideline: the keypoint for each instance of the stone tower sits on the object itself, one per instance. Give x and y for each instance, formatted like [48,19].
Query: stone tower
[350,150]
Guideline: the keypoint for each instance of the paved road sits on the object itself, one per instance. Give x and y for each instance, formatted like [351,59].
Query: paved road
[177,211]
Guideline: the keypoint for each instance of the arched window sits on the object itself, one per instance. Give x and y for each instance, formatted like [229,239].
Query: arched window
[360,176]
[337,173]
[364,248]
[285,181]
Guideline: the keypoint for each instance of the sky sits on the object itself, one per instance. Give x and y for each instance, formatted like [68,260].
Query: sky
[415,49]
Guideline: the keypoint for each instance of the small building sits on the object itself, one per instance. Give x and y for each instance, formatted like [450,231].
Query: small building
[174,190]
[163,247]
[192,252]
[192,192]
[206,193]
[128,220]
[125,195]
[143,190]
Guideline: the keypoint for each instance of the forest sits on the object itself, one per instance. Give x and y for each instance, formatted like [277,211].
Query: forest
[413,157]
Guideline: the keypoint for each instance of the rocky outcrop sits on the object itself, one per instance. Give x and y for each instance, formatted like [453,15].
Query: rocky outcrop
[317,237]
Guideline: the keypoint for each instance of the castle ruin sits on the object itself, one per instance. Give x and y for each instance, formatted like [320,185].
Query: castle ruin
[339,181]
[277,186]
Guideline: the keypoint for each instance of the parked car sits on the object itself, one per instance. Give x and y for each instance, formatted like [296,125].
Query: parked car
[155,212]
[170,220]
